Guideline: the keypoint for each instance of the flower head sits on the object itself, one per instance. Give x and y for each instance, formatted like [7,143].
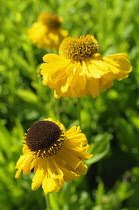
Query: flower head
[54,154]
[47,32]
[80,70]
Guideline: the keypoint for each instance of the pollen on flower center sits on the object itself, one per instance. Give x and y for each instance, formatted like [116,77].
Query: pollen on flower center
[52,21]
[79,48]
[44,138]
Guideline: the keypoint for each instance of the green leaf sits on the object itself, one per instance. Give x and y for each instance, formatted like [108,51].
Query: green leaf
[100,147]
[4,139]
[127,135]
[28,96]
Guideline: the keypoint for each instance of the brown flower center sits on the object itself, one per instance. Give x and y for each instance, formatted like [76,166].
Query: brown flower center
[79,48]
[44,138]
[52,21]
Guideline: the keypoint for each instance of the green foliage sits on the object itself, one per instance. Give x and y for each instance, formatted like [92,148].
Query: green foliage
[110,122]
[99,148]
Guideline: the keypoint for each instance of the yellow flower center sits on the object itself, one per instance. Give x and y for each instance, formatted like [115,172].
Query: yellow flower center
[79,48]
[44,138]
[52,21]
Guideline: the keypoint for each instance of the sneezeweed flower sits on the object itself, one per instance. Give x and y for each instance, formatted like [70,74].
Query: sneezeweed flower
[55,155]
[47,32]
[80,70]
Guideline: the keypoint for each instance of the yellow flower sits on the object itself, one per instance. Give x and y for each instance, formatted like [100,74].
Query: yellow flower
[54,154]
[80,70]
[47,32]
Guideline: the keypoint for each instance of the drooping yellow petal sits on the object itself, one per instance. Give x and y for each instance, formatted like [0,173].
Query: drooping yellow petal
[67,172]
[80,70]
[49,185]
[93,87]
[60,162]
[72,130]
[54,180]
[53,170]
[38,178]
[34,164]
[70,158]
[118,63]
[82,168]
[84,70]
[24,163]
[52,67]
[50,58]
[106,81]
[65,86]
[94,67]
[97,69]
[47,32]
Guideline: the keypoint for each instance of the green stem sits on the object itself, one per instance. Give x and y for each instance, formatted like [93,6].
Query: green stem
[47,202]
[57,108]
[79,111]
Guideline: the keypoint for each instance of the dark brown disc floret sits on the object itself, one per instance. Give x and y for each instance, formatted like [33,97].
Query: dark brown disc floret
[42,135]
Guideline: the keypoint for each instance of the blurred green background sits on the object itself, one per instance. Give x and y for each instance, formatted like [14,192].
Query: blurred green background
[110,122]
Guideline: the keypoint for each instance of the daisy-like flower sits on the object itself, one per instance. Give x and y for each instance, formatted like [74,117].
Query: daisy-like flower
[55,155]
[47,32]
[80,70]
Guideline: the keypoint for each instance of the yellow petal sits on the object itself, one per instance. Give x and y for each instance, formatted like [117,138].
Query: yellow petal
[54,180]
[67,172]
[54,170]
[52,58]
[82,168]
[69,175]
[17,175]
[51,68]
[118,62]
[97,68]
[34,164]
[106,81]
[85,71]
[71,159]
[93,87]
[64,87]
[80,152]
[38,178]
[73,130]
[24,163]
[50,185]
[73,71]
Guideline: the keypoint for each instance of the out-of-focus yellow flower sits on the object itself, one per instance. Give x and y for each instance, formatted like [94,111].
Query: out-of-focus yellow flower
[54,154]
[47,32]
[80,70]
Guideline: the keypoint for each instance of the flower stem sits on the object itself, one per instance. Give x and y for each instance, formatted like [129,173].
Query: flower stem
[57,109]
[47,200]
[79,111]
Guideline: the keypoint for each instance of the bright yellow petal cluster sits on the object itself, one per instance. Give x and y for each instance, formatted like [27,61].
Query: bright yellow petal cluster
[67,164]
[46,33]
[80,70]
